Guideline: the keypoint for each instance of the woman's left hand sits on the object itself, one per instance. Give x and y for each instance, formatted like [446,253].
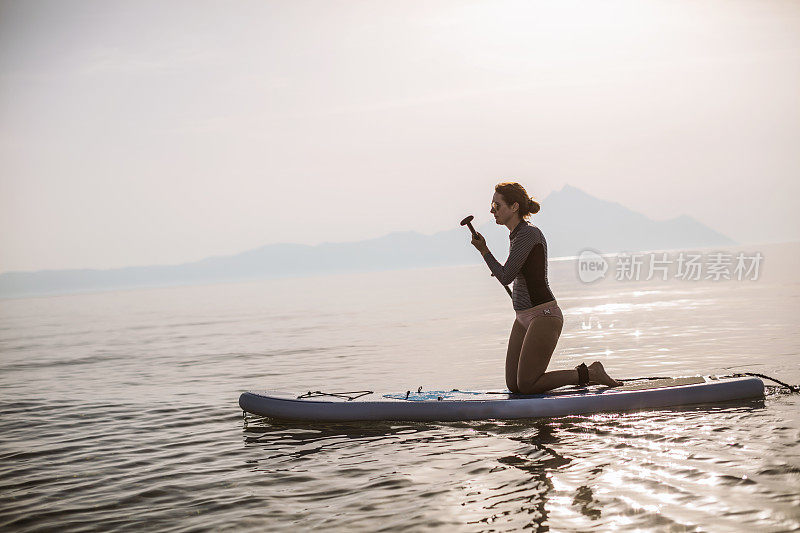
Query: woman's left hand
[480,243]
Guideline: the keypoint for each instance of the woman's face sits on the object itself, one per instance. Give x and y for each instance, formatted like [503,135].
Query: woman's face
[500,209]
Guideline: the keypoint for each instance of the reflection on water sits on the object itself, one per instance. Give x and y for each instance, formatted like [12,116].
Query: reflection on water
[119,410]
[667,468]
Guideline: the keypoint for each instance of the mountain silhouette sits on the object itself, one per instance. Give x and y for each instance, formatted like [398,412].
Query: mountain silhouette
[571,220]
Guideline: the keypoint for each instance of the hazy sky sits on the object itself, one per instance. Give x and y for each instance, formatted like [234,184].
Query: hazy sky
[140,132]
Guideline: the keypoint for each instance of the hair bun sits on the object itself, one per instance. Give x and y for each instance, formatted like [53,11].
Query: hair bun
[515,194]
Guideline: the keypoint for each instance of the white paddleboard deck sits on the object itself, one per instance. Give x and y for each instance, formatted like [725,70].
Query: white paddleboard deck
[458,405]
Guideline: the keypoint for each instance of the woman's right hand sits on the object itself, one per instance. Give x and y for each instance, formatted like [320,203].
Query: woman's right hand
[480,243]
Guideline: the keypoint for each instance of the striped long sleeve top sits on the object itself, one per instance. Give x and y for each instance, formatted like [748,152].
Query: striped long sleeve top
[526,266]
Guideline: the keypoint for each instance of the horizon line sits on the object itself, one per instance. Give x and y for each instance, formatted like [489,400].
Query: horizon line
[552,258]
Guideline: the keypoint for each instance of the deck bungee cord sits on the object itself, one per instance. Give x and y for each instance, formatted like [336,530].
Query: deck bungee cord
[349,395]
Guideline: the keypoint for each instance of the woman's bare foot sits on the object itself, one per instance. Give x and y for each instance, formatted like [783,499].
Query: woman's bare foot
[597,374]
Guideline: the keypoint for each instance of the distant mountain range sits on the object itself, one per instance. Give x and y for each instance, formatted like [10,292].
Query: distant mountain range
[571,220]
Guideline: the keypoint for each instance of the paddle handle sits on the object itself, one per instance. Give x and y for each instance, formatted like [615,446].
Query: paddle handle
[468,223]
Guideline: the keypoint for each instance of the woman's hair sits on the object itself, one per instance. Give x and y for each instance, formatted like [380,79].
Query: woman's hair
[514,192]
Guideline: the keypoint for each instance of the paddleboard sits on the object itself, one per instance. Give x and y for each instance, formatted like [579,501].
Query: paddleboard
[455,405]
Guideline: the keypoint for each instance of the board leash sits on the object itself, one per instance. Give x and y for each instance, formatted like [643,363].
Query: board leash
[794,389]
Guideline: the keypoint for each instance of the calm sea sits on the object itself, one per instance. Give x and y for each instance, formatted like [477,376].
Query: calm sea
[119,409]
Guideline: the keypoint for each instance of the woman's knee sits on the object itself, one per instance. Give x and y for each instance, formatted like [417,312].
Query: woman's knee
[528,384]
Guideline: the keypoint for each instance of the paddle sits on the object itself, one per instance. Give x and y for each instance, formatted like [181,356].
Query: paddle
[468,223]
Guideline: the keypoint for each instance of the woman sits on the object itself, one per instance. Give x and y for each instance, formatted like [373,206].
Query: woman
[539,319]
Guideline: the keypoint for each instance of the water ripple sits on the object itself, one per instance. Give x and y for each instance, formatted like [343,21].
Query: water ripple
[118,412]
